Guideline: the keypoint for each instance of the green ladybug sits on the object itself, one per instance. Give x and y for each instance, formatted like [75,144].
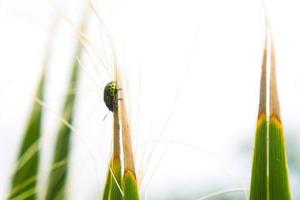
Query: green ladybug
[110,96]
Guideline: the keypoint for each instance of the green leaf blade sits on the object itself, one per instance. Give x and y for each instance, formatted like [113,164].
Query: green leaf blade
[116,181]
[131,191]
[278,167]
[28,159]
[58,177]
[259,188]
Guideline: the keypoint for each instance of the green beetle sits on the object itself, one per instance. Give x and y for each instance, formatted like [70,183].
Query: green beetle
[110,96]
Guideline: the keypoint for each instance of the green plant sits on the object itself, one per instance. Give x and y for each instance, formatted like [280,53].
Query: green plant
[270,168]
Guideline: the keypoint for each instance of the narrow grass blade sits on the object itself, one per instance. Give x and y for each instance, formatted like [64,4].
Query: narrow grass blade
[58,177]
[113,190]
[130,184]
[259,166]
[28,169]
[131,191]
[278,167]
[259,177]
[25,176]
[116,165]
[113,184]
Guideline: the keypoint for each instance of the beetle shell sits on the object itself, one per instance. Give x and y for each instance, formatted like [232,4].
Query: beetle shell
[110,95]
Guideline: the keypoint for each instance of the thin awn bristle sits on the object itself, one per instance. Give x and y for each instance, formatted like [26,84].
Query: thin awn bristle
[88,74]
[222,192]
[177,95]
[83,38]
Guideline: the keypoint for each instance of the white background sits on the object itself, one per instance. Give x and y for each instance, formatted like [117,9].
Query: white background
[193,70]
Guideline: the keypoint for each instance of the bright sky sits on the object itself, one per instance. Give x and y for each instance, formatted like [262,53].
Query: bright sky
[208,51]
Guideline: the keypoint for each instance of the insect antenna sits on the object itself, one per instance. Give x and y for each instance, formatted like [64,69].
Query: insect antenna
[105,116]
